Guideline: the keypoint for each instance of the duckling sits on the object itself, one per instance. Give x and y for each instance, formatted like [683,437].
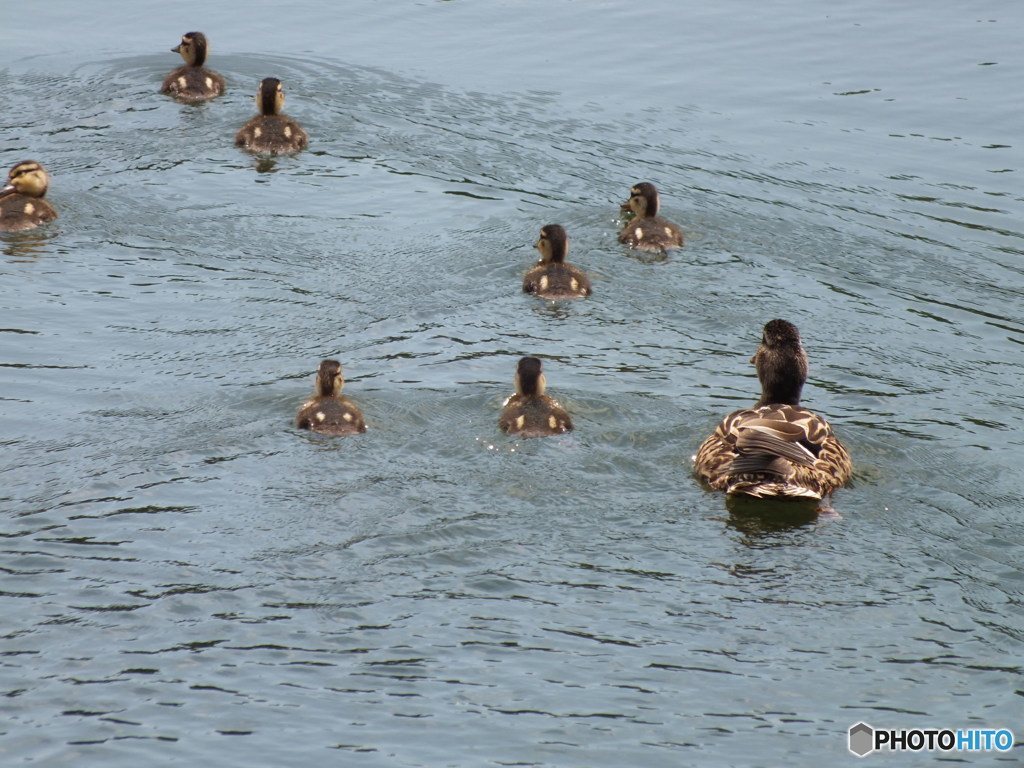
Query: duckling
[529,412]
[328,411]
[648,231]
[193,81]
[553,277]
[777,448]
[21,202]
[271,130]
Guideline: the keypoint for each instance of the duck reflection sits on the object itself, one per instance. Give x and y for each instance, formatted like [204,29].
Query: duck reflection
[27,246]
[763,519]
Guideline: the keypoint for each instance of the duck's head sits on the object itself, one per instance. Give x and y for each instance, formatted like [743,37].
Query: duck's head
[643,200]
[553,245]
[27,178]
[270,96]
[530,379]
[329,380]
[193,48]
[781,363]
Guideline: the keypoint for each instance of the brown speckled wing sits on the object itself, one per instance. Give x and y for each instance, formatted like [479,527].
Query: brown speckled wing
[774,450]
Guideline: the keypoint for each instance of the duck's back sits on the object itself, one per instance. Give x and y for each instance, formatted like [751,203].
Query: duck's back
[556,280]
[19,212]
[774,450]
[534,417]
[652,234]
[331,416]
[189,82]
[272,133]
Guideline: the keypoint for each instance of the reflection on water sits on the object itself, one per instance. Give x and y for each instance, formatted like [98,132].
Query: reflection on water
[182,565]
[762,520]
[28,246]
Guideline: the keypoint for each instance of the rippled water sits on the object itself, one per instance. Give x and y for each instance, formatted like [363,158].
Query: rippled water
[189,580]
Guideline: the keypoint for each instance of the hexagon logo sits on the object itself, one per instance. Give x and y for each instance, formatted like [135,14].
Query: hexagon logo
[861,739]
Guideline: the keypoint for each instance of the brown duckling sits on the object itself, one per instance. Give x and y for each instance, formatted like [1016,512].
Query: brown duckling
[777,448]
[271,130]
[553,277]
[21,202]
[193,81]
[529,412]
[328,411]
[647,231]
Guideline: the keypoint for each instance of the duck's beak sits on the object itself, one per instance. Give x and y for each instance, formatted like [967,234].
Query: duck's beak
[176,49]
[624,207]
[6,189]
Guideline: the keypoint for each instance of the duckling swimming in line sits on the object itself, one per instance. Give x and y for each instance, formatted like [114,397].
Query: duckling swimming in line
[648,231]
[271,130]
[553,277]
[529,412]
[21,202]
[193,81]
[328,411]
[777,448]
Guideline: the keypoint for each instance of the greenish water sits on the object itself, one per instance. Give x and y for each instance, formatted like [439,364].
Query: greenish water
[189,580]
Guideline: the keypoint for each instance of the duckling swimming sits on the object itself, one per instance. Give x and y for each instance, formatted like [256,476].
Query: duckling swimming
[193,81]
[529,412]
[21,202]
[553,277]
[648,231]
[777,448]
[328,411]
[271,130]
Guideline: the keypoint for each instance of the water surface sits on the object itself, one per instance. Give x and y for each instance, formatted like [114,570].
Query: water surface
[188,579]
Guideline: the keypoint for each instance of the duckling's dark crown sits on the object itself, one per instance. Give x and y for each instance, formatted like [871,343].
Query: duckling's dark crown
[329,367]
[529,366]
[644,188]
[780,333]
[25,166]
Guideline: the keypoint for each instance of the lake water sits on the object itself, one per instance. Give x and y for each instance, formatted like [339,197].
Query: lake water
[188,580]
